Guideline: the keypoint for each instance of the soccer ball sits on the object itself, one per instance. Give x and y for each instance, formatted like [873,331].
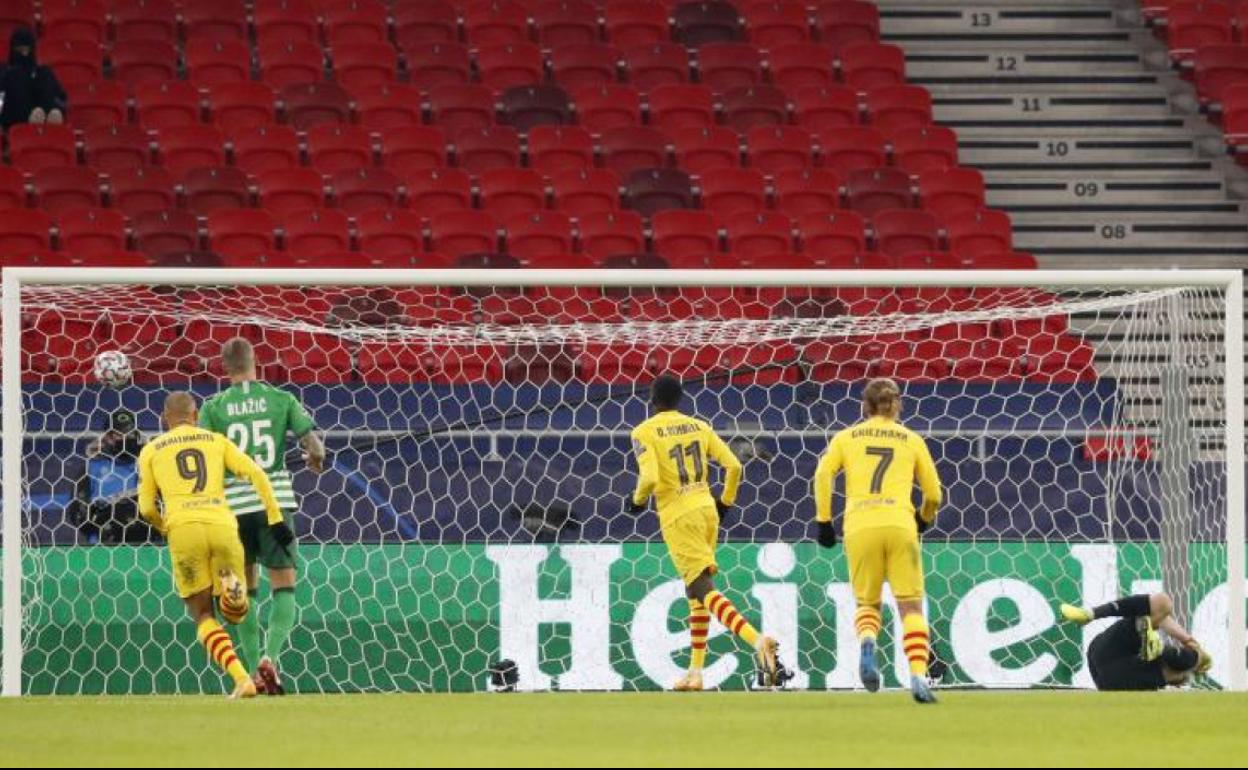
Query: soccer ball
[112,368]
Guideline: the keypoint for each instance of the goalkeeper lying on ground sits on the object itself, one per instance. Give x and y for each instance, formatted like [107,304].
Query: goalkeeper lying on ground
[1131,654]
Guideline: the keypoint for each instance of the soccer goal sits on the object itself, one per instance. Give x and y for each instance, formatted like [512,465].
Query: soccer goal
[1088,428]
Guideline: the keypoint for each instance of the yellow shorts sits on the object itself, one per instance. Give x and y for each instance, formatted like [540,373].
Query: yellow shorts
[200,550]
[877,554]
[691,539]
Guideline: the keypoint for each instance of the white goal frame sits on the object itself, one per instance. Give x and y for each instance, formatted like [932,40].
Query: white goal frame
[14,278]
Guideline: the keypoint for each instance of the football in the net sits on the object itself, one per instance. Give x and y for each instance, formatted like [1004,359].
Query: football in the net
[112,368]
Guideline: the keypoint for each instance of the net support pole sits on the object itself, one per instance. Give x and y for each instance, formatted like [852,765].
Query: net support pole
[1177,443]
[11,449]
[1233,339]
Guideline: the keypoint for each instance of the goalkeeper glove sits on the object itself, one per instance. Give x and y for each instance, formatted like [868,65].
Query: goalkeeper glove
[632,506]
[722,509]
[827,535]
[921,524]
[283,535]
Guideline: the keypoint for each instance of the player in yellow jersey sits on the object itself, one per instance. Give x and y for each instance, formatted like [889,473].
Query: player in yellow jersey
[186,466]
[882,459]
[673,454]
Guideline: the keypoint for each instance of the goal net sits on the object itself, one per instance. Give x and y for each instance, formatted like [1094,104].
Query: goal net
[1088,431]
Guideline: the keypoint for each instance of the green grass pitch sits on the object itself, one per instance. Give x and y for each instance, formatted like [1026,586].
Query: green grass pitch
[604,729]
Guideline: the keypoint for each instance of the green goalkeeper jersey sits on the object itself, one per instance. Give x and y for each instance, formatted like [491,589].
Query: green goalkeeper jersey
[257,416]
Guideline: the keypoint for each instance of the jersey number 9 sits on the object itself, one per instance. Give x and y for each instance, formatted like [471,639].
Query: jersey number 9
[191,466]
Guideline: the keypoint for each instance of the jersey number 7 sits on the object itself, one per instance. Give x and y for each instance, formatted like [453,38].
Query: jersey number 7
[885,453]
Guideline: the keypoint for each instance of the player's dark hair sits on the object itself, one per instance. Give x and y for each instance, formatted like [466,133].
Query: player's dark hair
[880,396]
[237,356]
[666,392]
[1180,658]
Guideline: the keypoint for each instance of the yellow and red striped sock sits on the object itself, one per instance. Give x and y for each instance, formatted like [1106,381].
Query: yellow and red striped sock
[221,649]
[699,628]
[915,642]
[867,622]
[721,608]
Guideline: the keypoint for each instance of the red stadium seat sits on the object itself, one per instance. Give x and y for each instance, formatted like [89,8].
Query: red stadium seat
[311,104]
[579,66]
[438,189]
[1003,260]
[553,149]
[134,189]
[850,149]
[1193,25]
[61,188]
[656,64]
[928,148]
[74,20]
[139,61]
[986,231]
[22,231]
[362,66]
[241,233]
[237,106]
[764,234]
[845,22]
[602,108]
[388,106]
[456,108]
[495,22]
[775,23]
[755,107]
[894,108]
[316,232]
[649,190]
[215,21]
[870,190]
[166,104]
[733,192]
[165,232]
[291,62]
[684,234]
[16,13]
[586,191]
[390,233]
[425,22]
[209,62]
[506,65]
[186,147]
[333,148]
[211,188]
[629,148]
[281,20]
[838,233]
[284,191]
[261,148]
[989,359]
[480,149]
[772,149]
[725,66]
[32,147]
[565,22]
[950,191]
[509,191]
[144,20]
[608,233]
[432,65]
[12,189]
[1234,100]
[802,65]
[674,107]
[699,150]
[457,233]
[76,62]
[711,21]
[88,232]
[98,103]
[867,66]
[408,148]
[825,108]
[524,107]
[1218,66]
[635,22]
[534,235]
[807,191]
[349,22]
[113,148]
[902,232]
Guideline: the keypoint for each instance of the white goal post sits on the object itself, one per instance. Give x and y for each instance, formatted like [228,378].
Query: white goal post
[1225,287]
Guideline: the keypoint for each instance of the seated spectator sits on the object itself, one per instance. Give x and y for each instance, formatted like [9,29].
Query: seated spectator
[31,93]
[105,507]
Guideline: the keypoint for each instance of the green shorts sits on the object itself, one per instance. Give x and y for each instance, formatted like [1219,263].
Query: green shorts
[259,545]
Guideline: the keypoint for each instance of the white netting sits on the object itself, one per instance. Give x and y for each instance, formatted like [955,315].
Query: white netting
[479,453]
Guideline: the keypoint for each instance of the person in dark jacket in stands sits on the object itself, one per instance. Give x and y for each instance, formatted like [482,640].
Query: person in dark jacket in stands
[31,92]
